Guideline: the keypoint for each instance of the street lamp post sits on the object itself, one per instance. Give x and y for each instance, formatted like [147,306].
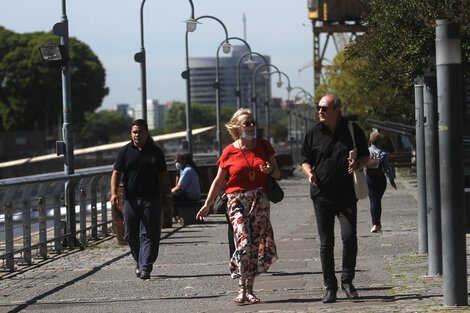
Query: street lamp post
[266,103]
[306,93]
[217,89]
[139,57]
[65,147]
[253,81]
[191,27]
[266,77]
[250,65]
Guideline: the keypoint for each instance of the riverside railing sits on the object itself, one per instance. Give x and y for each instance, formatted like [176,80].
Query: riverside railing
[36,218]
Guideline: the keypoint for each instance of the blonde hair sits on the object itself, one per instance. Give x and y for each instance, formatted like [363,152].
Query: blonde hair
[375,137]
[233,125]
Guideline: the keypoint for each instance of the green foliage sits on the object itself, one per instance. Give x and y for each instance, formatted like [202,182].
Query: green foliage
[100,127]
[399,46]
[341,79]
[175,118]
[31,90]
[278,124]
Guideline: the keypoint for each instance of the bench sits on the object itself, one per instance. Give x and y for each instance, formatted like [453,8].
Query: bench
[187,210]
[401,159]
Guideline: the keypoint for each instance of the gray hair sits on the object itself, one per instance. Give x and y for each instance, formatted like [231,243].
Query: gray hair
[336,100]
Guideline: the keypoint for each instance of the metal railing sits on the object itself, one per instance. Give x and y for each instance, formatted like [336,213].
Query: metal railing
[39,214]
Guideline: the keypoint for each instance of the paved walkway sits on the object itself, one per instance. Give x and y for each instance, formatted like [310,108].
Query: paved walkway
[191,274]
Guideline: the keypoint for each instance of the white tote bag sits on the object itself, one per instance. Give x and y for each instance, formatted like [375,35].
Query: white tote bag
[359,176]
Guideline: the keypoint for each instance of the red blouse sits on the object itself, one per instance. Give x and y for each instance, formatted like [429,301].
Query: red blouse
[239,163]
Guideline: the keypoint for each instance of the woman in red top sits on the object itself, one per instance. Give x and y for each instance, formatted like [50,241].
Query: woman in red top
[246,163]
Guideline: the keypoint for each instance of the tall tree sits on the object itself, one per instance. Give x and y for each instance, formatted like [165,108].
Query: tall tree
[398,46]
[341,79]
[102,126]
[30,90]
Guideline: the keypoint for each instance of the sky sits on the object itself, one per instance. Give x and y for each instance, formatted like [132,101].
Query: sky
[278,28]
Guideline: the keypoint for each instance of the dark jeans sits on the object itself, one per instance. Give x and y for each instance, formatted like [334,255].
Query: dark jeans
[325,212]
[377,185]
[180,196]
[142,229]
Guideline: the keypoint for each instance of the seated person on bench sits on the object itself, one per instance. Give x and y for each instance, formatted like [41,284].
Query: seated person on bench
[187,186]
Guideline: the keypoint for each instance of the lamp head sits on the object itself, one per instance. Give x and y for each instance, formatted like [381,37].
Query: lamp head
[289,88]
[226,47]
[191,24]
[266,75]
[279,84]
[54,54]
[250,63]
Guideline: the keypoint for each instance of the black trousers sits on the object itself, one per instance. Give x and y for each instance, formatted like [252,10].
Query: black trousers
[325,212]
[230,237]
[142,229]
[377,185]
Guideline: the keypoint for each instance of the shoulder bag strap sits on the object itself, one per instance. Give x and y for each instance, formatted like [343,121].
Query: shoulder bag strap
[351,130]
[265,150]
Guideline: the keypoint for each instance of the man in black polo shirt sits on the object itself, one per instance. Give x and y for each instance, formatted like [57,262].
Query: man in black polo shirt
[328,168]
[145,179]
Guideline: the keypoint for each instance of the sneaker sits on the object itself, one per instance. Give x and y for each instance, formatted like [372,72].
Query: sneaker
[376,228]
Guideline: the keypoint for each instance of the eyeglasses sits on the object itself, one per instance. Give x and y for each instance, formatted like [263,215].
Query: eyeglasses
[320,108]
[248,123]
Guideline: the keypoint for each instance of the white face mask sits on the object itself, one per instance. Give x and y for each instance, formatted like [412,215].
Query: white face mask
[178,165]
[247,137]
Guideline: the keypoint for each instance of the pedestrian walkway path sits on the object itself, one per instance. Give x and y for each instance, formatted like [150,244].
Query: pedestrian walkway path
[191,274]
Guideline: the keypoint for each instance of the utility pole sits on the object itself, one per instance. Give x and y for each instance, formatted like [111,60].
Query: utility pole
[449,93]
[433,199]
[421,170]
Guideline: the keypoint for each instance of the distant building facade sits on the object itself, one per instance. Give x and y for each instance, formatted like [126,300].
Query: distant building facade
[203,77]
[122,107]
[156,113]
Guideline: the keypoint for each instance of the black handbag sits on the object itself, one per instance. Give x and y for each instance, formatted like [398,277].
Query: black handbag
[275,192]
[220,204]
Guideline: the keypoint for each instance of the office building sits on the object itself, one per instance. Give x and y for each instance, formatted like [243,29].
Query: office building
[203,77]
[156,113]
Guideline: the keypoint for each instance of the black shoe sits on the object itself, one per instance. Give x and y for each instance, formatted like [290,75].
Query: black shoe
[350,291]
[144,274]
[137,271]
[329,297]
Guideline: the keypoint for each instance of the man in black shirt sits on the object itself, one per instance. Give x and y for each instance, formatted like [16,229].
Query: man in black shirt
[145,179]
[329,170]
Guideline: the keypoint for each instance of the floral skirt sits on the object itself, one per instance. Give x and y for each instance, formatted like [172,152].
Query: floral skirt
[255,249]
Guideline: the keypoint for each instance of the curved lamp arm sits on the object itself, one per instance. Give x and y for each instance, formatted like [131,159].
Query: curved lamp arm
[192,8]
[306,93]
[217,55]
[197,20]
[255,71]
[238,91]
[186,74]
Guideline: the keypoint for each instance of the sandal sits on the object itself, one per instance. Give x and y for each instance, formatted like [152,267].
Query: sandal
[241,298]
[250,296]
